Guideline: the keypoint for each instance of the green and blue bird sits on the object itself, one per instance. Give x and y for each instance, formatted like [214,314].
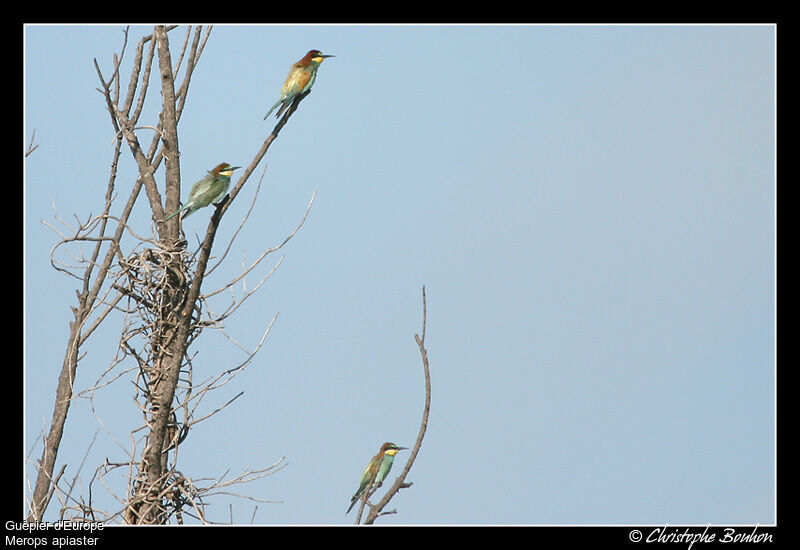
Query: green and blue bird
[301,77]
[376,471]
[210,189]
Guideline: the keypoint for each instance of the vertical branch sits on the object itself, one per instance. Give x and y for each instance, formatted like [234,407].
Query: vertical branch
[167,363]
[169,124]
[125,126]
[194,55]
[400,483]
[87,298]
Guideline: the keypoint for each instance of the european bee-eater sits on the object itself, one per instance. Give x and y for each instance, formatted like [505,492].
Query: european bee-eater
[301,78]
[376,470]
[211,188]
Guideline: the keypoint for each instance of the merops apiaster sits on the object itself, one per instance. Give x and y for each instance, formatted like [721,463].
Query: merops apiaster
[376,470]
[211,188]
[301,77]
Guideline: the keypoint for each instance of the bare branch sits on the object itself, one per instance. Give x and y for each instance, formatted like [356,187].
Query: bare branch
[400,483]
[31,147]
[268,251]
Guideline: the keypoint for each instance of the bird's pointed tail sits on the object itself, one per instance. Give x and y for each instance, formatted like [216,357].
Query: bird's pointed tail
[178,211]
[273,108]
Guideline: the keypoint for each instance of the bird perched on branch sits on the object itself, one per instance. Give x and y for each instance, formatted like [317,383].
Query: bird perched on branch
[376,471]
[210,189]
[301,77]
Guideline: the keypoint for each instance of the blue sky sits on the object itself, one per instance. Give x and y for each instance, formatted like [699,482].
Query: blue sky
[592,212]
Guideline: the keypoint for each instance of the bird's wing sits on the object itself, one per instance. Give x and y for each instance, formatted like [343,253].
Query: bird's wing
[309,81]
[220,195]
[201,188]
[297,82]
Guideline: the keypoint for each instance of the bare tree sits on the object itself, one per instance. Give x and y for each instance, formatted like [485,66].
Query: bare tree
[156,285]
